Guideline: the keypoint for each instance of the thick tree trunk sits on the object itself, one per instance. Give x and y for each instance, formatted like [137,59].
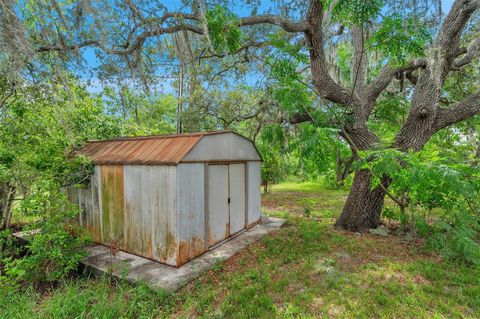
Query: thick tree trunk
[364,205]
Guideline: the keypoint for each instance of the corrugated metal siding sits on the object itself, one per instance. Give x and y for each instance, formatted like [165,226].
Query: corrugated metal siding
[87,201]
[85,206]
[218,209]
[72,196]
[223,147]
[132,207]
[254,203]
[150,206]
[112,204]
[164,181]
[191,211]
[237,198]
[95,212]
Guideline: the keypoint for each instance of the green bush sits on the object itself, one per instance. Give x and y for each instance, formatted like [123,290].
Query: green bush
[442,197]
[54,247]
[456,239]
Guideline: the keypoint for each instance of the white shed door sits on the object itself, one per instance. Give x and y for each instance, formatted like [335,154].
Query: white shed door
[237,198]
[218,210]
[226,201]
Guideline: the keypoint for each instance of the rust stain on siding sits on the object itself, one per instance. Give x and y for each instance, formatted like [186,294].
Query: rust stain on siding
[187,250]
[96,236]
[168,251]
[227,231]
[119,207]
[105,197]
[112,203]
[211,239]
[148,248]
[129,245]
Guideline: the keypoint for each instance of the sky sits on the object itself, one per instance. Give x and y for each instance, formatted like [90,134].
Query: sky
[240,9]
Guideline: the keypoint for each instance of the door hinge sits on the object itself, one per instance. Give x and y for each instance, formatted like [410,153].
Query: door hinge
[229,200]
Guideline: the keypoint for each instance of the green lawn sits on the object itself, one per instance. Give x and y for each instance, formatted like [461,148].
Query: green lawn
[305,270]
[292,198]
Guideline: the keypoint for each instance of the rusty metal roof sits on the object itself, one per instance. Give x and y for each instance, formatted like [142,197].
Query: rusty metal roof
[143,150]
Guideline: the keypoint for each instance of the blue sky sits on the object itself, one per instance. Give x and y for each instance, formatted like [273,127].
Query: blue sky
[239,8]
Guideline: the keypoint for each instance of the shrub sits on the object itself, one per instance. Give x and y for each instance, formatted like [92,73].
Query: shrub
[448,191]
[456,238]
[54,247]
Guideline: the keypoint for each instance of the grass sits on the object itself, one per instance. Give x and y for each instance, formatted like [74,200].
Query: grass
[293,198]
[306,270]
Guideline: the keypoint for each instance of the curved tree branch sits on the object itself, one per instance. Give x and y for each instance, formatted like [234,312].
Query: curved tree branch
[158,29]
[448,40]
[472,52]
[387,74]
[463,110]
[285,24]
[128,48]
[327,88]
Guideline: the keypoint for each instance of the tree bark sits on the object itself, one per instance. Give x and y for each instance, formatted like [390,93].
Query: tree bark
[7,195]
[364,205]
[343,167]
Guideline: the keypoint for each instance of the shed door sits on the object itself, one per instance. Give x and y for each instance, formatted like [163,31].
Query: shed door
[237,197]
[226,201]
[218,212]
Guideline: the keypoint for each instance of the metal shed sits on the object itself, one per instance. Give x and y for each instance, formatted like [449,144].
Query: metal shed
[170,198]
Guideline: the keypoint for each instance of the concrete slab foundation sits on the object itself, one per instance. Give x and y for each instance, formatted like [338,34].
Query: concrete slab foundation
[138,269]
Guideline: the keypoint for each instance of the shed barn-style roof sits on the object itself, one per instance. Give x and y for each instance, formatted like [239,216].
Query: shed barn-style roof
[171,149]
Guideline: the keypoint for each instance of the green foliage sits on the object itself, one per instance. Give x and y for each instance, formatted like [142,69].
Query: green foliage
[288,87]
[295,51]
[8,251]
[270,144]
[399,39]
[356,12]
[456,238]
[312,152]
[391,111]
[223,29]
[428,181]
[77,171]
[142,114]
[424,182]
[393,214]
[54,247]
[37,162]
[318,148]
[345,53]
[284,69]
[47,121]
